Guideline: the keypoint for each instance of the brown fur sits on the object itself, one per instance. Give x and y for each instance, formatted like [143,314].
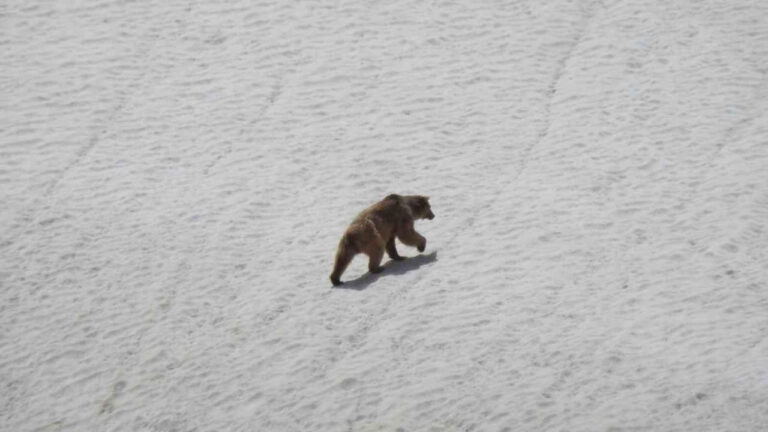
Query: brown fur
[374,230]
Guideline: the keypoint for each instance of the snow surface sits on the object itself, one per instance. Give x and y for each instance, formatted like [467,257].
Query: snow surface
[175,176]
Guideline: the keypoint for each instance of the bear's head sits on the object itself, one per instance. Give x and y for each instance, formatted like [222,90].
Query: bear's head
[420,208]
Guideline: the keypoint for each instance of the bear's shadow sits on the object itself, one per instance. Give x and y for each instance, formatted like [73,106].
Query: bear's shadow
[391,268]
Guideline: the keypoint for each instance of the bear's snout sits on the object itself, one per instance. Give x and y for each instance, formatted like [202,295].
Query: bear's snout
[430,215]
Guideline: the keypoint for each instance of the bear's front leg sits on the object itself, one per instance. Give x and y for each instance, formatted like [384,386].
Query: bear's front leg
[410,237]
[374,261]
[392,251]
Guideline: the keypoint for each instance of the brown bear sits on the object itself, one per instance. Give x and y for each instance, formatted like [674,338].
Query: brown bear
[374,230]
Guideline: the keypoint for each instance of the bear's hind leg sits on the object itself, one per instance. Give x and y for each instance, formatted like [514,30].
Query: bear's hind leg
[343,258]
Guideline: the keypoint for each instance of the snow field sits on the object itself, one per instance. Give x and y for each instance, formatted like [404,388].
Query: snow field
[176,175]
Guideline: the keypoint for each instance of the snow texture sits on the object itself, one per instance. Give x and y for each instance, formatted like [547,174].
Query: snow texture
[175,176]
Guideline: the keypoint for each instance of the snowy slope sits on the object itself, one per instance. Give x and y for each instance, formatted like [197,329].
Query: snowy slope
[175,176]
